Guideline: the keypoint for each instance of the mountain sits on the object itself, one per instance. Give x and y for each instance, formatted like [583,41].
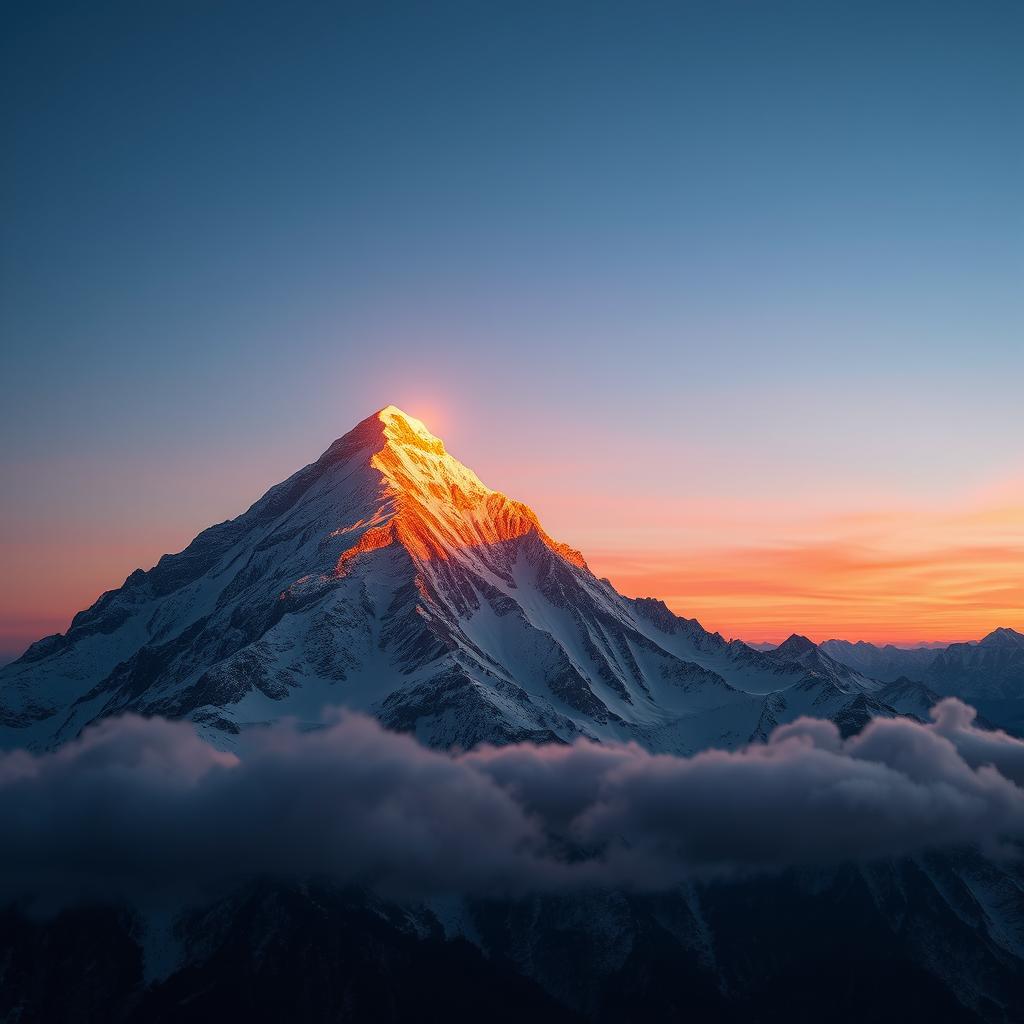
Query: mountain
[993,668]
[887,944]
[886,663]
[799,649]
[988,673]
[387,577]
[269,953]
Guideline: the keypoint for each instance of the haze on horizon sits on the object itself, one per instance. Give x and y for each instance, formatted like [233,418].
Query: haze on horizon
[729,295]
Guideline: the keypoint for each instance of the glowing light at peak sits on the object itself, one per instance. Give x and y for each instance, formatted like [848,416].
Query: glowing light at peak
[425,415]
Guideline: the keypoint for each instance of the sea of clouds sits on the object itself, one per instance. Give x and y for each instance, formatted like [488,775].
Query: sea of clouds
[142,809]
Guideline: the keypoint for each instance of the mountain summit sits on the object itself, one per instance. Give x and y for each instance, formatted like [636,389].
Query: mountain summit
[1003,636]
[438,505]
[386,576]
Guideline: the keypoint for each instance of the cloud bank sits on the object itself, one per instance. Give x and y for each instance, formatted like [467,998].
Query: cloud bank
[142,809]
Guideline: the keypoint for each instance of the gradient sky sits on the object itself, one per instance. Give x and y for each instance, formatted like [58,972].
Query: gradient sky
[730,293]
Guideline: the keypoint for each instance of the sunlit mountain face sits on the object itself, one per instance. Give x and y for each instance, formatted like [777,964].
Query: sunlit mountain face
[435,505]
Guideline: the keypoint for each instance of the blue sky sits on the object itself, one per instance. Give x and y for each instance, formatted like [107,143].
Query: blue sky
[753,250]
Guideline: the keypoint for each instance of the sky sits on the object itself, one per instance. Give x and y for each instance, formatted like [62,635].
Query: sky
[729,293]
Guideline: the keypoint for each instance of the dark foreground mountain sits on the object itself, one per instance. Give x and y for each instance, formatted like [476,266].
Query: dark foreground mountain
[889,944]
[386,577]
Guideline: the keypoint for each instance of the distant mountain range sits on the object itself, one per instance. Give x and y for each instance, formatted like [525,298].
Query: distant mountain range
[988,673]
[886,663]
[387,577]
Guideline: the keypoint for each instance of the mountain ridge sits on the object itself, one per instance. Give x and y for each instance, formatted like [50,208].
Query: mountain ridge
[388,577]
[988,673]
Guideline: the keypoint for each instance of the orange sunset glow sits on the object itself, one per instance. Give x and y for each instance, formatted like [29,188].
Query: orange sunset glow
[899,577]
[905,574]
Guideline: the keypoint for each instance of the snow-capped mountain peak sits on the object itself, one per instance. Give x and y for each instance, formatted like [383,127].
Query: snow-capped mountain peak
[794,646]
[438,506]
[1003,636]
